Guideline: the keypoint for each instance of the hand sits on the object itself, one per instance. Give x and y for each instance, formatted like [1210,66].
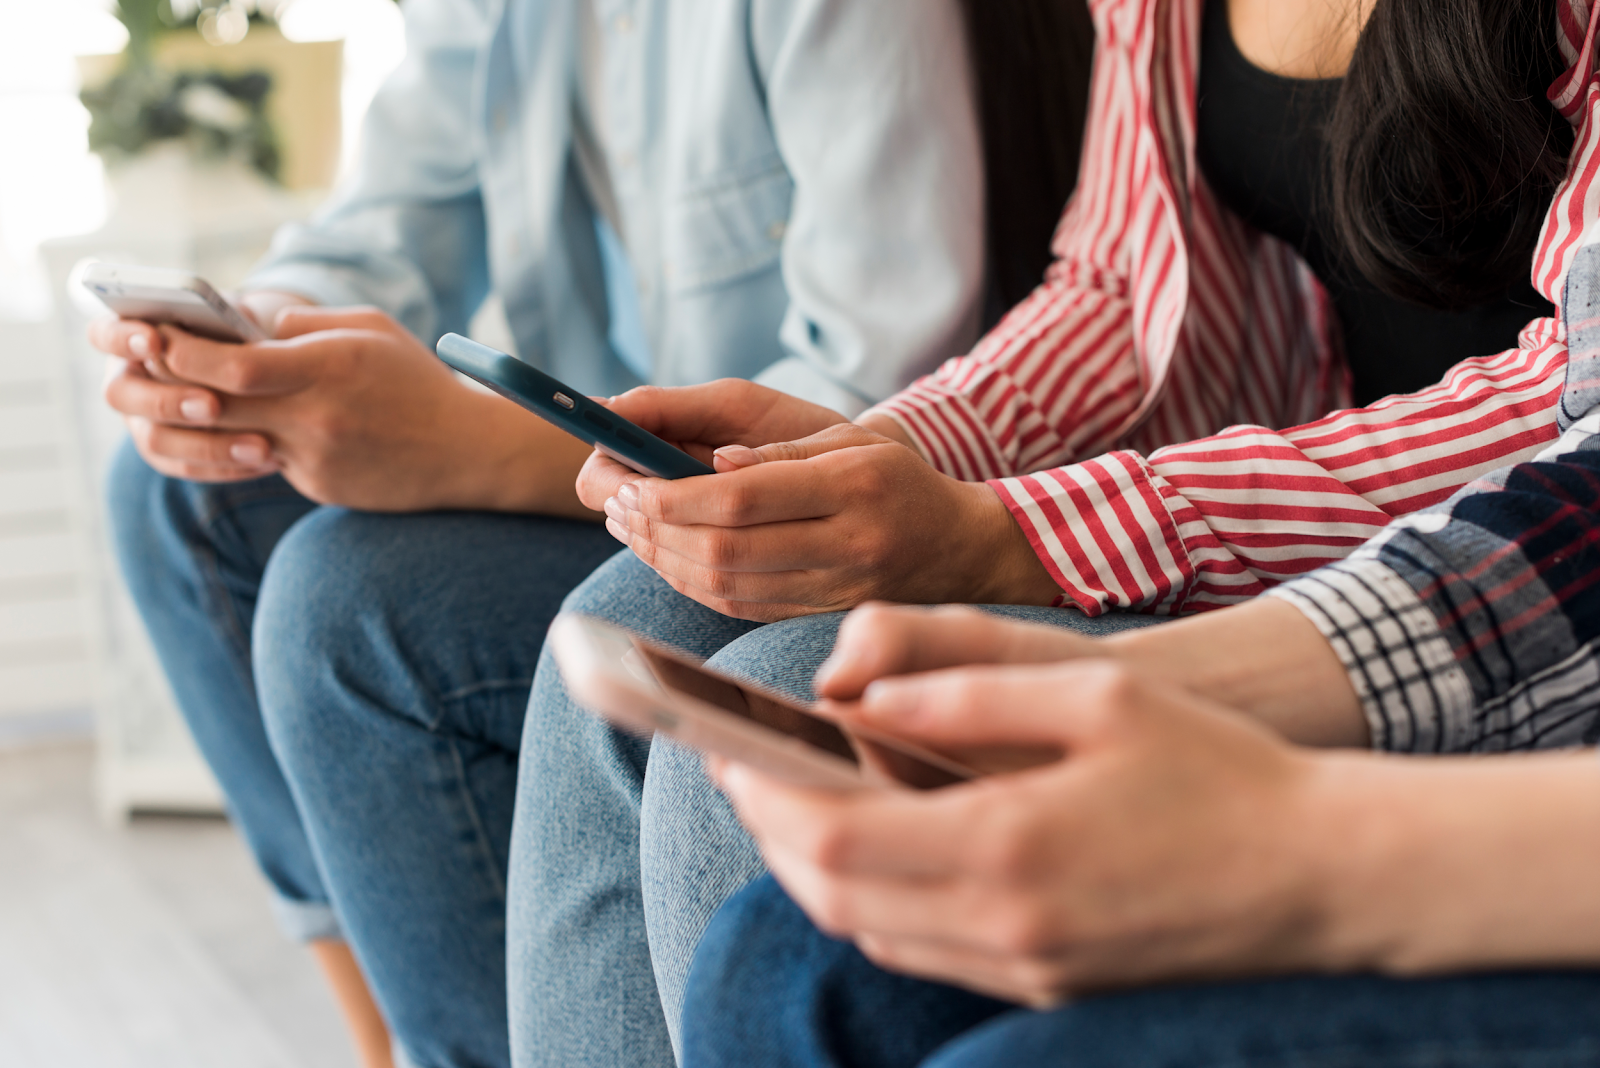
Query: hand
[876,641]
[817,524]
[355,411]
[163,412]
[700,420]
[1172,840]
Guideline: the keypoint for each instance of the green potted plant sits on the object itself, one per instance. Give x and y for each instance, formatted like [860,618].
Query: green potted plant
[218,77]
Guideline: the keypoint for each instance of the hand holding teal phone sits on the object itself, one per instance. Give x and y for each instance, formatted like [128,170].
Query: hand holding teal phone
[568,409]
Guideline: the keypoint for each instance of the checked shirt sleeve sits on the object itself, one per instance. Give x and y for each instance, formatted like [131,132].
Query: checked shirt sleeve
[1475,626]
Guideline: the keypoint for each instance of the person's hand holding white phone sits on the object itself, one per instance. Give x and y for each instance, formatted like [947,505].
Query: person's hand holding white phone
[344,402]
[171,421]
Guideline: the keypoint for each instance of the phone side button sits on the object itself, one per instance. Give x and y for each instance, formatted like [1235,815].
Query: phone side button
[597,419]
[629,438]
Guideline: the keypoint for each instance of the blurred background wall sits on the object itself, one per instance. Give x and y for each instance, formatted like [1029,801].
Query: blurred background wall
[215,121]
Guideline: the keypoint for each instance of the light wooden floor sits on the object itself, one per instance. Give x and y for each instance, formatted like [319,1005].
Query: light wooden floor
[144,947]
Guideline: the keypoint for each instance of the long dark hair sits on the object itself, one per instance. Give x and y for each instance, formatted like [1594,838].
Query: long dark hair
[1030,60]
[1443,150]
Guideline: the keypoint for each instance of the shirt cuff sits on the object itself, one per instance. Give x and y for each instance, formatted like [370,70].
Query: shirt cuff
[948,430]
[1416,697]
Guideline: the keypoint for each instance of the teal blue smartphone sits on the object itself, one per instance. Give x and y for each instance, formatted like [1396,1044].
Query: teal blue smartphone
[568,409]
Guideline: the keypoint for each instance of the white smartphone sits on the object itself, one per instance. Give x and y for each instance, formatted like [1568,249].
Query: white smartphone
[641,686]
[158,295]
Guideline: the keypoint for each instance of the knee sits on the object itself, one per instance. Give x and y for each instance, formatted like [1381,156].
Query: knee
[623,591]
[784,656]
[327,599]
[742,985]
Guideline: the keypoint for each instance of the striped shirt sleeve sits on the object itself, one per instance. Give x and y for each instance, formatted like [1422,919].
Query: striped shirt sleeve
[1070,409]
[1216,521]
[1474,626]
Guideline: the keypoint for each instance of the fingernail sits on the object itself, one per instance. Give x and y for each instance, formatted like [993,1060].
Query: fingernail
[619,531]
[739,455]
[139,345]
[824,672]
[195,409]
[615,509]
[249,453]
[628,494]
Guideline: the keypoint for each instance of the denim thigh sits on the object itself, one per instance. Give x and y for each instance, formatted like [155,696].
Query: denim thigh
[192,557]
[769,989]
[583,994]
[694,853]
[394,655]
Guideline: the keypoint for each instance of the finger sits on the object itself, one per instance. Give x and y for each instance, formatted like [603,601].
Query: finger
[269,368]
[297,320]
[1063,705]
[727,411]
[750,611]
[814,590]
[832,439]
[600,479]
[877,640]
[128,338]
[802,544]
[129,389]
[869,833]
[203,455]
[767,493]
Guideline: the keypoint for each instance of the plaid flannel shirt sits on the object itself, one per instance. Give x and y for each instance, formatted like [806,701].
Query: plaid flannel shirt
[1474,626]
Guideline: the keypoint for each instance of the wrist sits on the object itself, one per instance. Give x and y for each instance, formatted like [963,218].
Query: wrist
[1263,658]
[1002,567]
[508,460]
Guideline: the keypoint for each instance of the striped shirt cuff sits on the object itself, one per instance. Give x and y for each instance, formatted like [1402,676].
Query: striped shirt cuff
[948,429]
[1416,697]
[1103,531]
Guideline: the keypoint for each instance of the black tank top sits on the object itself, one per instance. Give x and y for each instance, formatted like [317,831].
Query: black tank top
[1261,150]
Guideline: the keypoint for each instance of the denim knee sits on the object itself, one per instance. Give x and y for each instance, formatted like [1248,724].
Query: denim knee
[784,656]
[767,988]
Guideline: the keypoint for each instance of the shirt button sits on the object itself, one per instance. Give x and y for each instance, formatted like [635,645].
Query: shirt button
[626,160]
[778,230]
[623,23]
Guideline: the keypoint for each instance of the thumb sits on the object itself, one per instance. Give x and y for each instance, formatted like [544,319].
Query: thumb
[836,437]
[1056,707]
[300,319]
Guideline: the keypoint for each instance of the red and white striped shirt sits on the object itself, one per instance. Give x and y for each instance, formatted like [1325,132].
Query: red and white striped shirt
[1166,318]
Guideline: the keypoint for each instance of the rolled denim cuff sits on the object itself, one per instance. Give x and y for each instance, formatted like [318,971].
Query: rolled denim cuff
[306,921]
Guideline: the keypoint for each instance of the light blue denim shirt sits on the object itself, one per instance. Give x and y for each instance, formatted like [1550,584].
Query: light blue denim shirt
[800,183]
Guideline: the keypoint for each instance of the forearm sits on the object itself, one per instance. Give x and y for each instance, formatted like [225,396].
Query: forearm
[1427,866]
[1263,658]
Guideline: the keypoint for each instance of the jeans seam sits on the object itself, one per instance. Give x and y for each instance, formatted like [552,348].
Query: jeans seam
[480,831]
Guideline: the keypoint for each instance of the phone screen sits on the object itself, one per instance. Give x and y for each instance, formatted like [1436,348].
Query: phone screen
[797,723]
[792,721]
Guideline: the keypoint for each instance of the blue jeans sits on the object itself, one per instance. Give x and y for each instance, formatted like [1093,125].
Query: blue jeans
[358,684]
[622,850]
[768,990]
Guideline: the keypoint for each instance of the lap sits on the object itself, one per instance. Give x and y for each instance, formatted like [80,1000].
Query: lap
[1529,1020]
[768,987]
[425,613]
